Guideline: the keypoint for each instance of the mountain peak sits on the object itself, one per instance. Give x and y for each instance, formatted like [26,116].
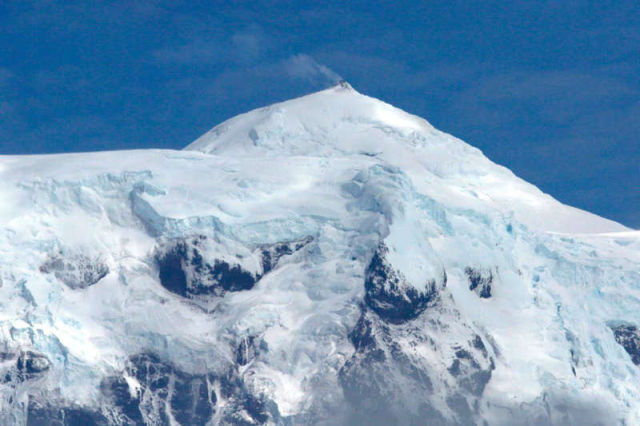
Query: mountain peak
[343,84]
[336,260]
[336,121]
[344,125]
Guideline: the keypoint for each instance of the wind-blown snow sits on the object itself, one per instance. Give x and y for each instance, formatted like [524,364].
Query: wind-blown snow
[350,172]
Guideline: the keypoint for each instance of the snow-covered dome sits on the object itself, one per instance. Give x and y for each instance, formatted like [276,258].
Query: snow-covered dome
[339,122]
[326,260]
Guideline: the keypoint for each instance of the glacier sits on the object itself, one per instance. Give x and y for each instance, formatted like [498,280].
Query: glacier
[327,260]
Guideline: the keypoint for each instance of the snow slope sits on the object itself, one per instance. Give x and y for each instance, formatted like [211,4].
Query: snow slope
[330,259]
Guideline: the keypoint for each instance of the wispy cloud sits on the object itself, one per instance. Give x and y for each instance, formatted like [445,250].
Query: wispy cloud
[245,52]
[243,47]
[304,67]
[250,44]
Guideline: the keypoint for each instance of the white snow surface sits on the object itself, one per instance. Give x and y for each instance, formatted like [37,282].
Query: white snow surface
[350,171]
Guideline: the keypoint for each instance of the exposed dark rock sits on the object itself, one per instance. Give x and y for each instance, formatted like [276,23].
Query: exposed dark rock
[31,365]
[191,401]
[387,370]
[185,272]
[479,344]
[458,403]
[463,354]
[380,375]
[574,350]
[241,406]
[19,367]
[118,391]
[248,348]
[388,293]
[475,382]
[170,265]
[167,392]
[364,341]
[76,271]
[480,281]
[628,336]
[164,392]
[388,373]
[472,377]
[50,415]
[454,369]
[272,253]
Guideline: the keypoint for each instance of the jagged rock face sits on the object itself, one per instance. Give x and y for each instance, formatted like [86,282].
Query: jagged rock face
[249,348]
[628,336]
[387,355]
[45,415]
[480,281]
[368,382]
[272,253]
[397,326]
[30,365]
[22,366]
[156,391]
[389,295]
[150,391]
[184,271]
[76,271]
[161,393]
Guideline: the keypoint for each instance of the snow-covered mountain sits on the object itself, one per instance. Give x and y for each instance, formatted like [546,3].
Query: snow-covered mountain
[326,260]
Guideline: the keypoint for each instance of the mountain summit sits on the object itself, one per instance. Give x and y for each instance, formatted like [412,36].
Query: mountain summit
[341,123]
[326,260]
[334,122]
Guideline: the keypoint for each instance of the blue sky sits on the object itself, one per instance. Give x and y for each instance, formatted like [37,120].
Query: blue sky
[550,89]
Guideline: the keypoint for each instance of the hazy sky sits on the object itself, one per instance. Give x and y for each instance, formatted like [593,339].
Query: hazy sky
[550,89]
